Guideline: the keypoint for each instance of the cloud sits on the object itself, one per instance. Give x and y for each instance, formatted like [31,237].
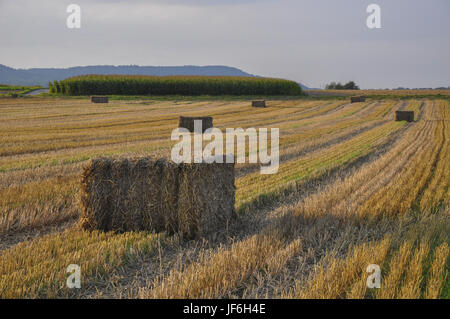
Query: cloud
[311,41]
[186,2]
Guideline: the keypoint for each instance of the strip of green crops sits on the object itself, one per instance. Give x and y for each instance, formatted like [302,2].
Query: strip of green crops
[255,188]
[16,91]
[173,85]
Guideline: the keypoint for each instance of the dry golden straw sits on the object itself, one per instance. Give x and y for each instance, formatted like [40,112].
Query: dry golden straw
[193,200]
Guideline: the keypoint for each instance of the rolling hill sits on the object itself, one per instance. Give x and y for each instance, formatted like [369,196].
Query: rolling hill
[41,76]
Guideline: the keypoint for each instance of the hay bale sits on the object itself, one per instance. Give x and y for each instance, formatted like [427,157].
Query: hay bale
[169,195]
[259,103]
[113,193]
[99,99]
[356,99]
[140,193]
[206,198]
[96,195]
[404,116]
[192,200]
[188,122]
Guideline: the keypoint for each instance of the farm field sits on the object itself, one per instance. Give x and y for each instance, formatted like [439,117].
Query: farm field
[382,93]
[14,90]
[354,188]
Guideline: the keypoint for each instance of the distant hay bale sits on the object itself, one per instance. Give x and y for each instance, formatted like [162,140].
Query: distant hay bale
[259,103]
[122,195]
[404,116]
[99,99]
[188,122]
[356,99]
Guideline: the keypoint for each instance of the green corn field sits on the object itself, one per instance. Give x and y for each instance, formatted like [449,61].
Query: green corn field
[173,85]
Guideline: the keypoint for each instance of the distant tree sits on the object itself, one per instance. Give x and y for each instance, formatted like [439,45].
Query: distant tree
[331,86]
[351,85]
[339,86]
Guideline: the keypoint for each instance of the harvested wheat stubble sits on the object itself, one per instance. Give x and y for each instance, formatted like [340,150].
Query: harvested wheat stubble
[356,99]
[188,122]
[193,200]
[259,103]
[99,99]
[404,116]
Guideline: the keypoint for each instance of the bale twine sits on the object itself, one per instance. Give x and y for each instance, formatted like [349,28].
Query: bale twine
[259,103]
[404,116]
[356,99]
[99,99]
[122,195]
[188,122]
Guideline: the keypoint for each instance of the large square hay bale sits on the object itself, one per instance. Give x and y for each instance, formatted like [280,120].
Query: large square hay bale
[259,103]
[192,200]
[99,99]
[206,198]
[404,116]
[113,193]
[188,122]
[356,99]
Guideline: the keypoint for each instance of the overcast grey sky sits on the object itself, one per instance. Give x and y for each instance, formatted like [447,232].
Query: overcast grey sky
[311,41]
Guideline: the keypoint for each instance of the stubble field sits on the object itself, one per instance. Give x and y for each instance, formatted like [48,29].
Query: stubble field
[354,188]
